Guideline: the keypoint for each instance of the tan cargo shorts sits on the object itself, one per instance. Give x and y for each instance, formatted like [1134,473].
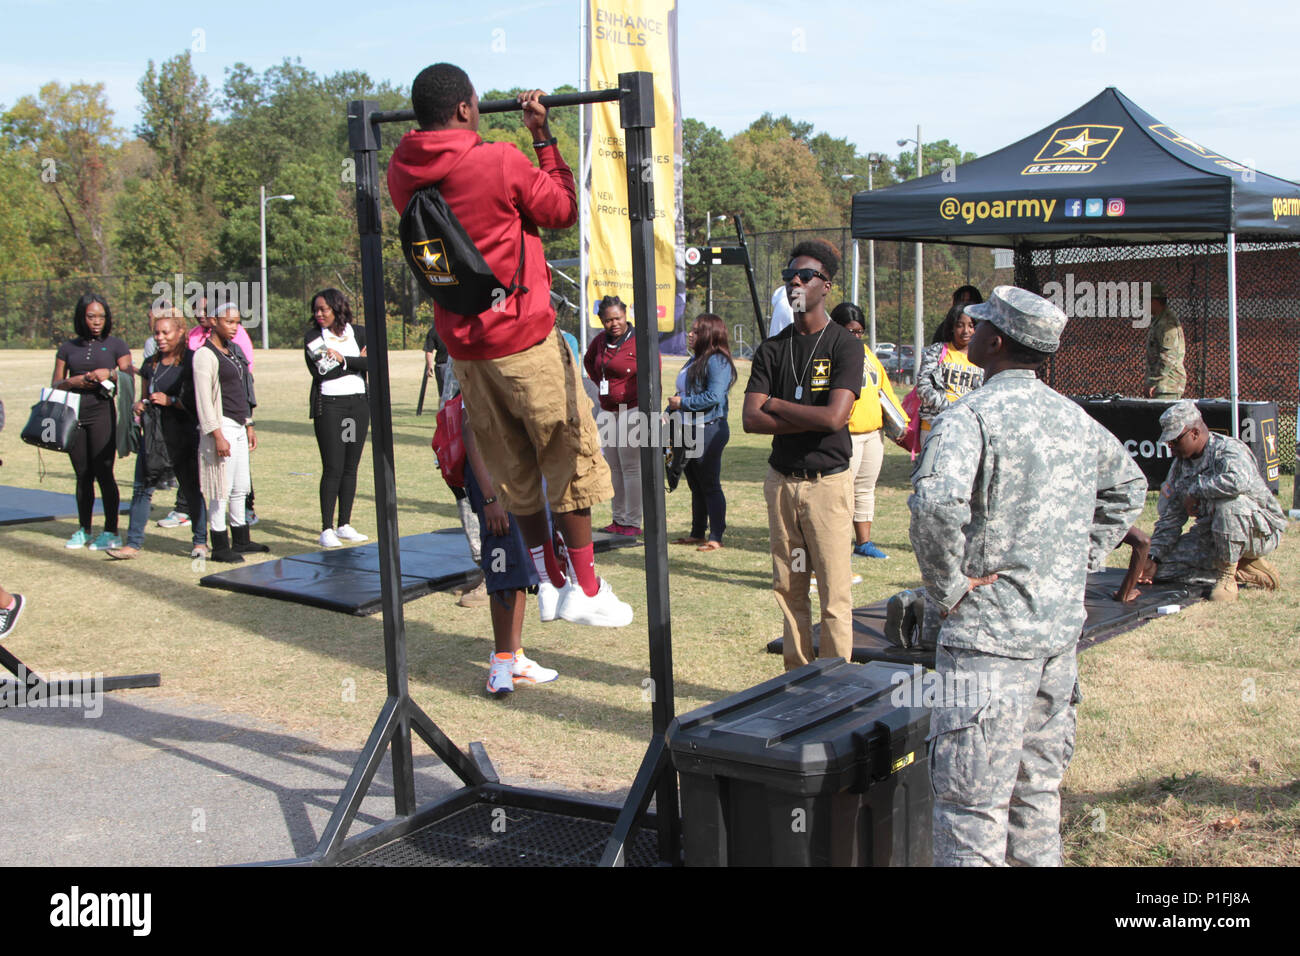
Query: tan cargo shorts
[532,420]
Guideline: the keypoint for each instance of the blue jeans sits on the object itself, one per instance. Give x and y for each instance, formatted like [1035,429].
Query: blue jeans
[704,476]
[187,477]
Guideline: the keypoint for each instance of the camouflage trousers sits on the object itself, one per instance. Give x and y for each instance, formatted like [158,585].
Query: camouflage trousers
[1236,528]
[1000,741]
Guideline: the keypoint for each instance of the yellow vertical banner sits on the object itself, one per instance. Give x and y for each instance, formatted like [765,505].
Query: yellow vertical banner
[623,36]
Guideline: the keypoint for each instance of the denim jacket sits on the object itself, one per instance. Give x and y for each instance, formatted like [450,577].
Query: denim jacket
[712,402]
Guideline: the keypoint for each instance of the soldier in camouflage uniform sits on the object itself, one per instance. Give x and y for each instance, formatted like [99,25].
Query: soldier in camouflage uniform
[1215,479]
[1017,495]
[1165,351]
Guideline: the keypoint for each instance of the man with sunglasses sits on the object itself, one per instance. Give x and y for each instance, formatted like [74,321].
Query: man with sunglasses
[801,391]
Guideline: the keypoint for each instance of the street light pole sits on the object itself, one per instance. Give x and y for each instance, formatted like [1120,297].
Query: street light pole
[708,259]
[919,327]
[857,260]
[920,283]
[266,322]
[872,159]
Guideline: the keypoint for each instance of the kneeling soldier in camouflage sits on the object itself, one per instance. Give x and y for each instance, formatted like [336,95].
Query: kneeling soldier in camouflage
[1214,479]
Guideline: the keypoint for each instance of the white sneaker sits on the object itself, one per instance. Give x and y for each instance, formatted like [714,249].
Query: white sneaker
[500,677]
[548,600]
[602,610]
[530,671]
[328,539]
[174,519]
[348,533]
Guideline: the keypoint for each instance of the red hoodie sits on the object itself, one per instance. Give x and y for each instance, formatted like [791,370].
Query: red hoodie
[490,187]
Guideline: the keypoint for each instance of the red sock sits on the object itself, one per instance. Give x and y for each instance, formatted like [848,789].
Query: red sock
[547,565]
[583,561]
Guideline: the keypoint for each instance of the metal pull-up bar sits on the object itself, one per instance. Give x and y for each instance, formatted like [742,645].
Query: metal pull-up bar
[400,715]
[505,106]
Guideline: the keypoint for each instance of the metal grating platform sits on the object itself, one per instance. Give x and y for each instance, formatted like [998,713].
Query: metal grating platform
[494,835]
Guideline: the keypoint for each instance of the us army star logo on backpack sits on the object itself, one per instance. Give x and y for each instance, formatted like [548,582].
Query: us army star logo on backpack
[431,257]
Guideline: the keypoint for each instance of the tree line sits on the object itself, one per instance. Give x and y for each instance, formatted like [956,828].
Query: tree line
[80,195]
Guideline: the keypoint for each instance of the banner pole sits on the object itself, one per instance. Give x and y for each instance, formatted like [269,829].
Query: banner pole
[583,174]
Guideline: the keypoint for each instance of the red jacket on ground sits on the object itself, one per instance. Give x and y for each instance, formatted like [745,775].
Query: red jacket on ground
[490,187]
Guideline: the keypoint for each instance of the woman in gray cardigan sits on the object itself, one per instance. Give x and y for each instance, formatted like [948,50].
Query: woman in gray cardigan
[223,393]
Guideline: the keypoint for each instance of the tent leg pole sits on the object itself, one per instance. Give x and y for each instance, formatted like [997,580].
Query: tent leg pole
[1232,331]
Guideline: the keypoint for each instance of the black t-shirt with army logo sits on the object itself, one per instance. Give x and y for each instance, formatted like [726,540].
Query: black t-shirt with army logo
[813,366]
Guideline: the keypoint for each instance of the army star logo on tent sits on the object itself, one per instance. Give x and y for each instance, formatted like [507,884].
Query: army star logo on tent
[1074,149]
[1178,139]
[1079,141]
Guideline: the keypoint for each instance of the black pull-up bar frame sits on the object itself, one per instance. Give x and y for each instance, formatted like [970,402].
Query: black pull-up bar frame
[399,714]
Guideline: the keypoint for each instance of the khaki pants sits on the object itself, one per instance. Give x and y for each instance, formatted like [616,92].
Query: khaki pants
[811,526]
[868,456]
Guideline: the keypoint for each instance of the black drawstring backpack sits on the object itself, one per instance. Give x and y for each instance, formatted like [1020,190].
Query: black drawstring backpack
[445,260]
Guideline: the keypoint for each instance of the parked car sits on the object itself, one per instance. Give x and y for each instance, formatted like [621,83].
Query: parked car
[900,361]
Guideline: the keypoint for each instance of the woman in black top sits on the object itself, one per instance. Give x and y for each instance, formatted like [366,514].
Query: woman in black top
[170,426]
[335,351]
[88,366]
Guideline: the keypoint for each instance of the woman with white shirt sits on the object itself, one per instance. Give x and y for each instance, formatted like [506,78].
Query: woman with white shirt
[336,357]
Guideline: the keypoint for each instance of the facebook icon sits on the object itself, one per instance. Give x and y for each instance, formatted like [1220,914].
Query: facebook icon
[1074,207]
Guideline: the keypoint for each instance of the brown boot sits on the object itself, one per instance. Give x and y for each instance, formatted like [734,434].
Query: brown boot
[476,596]
[1225,589]
[1257,573]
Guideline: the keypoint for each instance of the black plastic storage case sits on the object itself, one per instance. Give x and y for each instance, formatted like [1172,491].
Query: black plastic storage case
[817,767]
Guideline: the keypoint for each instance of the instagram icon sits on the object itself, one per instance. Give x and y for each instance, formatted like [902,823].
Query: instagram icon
[1114,207]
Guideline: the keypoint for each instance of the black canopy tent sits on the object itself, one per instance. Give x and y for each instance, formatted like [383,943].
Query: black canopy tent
[400,715]
[1107,174]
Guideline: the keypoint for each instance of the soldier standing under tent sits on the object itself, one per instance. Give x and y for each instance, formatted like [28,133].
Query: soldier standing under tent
[1214,479]
[1165,350]
[1018,493]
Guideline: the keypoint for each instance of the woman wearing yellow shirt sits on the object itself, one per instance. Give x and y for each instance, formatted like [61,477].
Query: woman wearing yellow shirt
[865,423]
[946,373]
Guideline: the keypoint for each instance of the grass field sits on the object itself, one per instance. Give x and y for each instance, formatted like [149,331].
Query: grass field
[1187,735]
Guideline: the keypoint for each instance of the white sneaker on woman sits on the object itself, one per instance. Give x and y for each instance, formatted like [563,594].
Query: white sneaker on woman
[348,533]
[328,539]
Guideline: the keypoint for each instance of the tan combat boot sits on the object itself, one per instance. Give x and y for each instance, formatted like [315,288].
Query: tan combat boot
[1225,588]
[1257,573]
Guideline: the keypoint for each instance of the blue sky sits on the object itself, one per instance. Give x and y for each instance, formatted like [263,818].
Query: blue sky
[980,74]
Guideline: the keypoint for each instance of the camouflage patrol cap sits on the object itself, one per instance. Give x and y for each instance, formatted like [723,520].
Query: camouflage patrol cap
[1177,418]
[1028,318]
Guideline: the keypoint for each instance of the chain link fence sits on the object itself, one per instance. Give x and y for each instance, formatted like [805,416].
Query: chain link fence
[1105,290]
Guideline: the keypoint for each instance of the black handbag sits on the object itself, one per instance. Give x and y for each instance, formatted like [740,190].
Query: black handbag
[52,424]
